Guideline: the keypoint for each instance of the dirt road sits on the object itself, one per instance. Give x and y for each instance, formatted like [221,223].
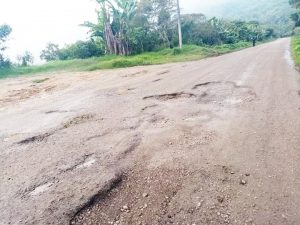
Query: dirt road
[215,141]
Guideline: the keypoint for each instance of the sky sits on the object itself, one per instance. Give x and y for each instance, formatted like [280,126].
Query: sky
[37,22]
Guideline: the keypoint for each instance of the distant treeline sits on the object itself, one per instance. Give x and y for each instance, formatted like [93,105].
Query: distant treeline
[273,13]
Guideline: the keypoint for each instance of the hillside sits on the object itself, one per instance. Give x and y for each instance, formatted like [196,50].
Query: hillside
[274,12]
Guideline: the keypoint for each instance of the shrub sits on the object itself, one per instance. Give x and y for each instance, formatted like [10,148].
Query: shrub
[177,51]
[120,63]
[81,50]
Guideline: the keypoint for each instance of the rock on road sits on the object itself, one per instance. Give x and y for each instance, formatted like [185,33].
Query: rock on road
[215,141]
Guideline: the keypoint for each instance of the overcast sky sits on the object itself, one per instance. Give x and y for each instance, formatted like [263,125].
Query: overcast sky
[37,22]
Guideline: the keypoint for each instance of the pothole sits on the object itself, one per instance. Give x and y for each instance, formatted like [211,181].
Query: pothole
[101,196]
[41,189]
[79,120]
[84,162]
[87,163]
[172,96]
[38,138]
[56,111]
[38,188]
[136,73]
[163,72]
[224,93]
[148,107]
[199,117]
[157,80]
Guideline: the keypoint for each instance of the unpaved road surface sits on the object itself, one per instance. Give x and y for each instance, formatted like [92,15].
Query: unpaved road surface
[215,141]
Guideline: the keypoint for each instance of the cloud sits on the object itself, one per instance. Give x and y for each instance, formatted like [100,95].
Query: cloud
[36,22]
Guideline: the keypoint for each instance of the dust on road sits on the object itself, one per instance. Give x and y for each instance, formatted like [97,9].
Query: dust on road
[215,141]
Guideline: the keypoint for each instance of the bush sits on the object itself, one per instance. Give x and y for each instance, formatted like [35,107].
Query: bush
[121,63]
[81,50]
[177,51]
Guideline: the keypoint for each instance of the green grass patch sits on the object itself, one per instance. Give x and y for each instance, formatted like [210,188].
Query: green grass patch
[187,53]
[296,49]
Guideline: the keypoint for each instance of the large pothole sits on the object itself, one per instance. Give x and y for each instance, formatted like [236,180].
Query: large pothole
[224,93]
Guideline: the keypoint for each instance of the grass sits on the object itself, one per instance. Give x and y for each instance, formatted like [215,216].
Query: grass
[296,49]
[187,53]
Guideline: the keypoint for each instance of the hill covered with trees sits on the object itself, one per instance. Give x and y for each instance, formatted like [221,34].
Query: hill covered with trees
[272,12]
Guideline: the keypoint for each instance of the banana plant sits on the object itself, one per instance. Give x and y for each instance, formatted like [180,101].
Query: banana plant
[114,19]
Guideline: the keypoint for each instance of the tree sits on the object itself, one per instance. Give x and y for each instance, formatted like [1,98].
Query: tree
[296,16]
[131,26]
[114,19]
[50,53]
[295,3]
[5,31]
[25,59]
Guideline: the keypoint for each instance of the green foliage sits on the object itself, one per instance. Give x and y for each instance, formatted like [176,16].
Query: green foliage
[198,30]
[50,53]
[120,63]
[295,3]
[296,16]
[272,13]
[177,51]
[81,50]
[296,49]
